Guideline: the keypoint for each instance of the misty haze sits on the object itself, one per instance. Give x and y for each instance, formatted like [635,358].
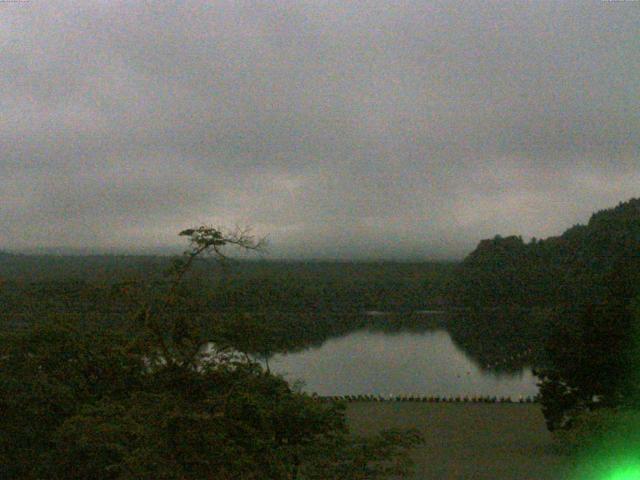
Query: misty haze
[320,240]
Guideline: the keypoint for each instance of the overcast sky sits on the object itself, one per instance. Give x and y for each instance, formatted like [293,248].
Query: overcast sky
[339,128]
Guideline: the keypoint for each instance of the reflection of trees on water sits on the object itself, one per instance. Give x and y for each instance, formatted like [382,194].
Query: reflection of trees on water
[496,340]
[298,332]
[403,323]
[499,342]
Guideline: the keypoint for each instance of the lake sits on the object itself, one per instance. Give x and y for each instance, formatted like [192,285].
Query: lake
[399,363]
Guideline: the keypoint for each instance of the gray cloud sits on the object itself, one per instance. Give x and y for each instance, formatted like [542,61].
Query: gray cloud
[341,129]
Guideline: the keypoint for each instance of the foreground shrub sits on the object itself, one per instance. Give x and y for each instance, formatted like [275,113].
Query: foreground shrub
[78,404]
[155,401]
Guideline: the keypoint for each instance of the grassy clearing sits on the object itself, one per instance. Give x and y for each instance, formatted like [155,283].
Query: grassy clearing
[469,441]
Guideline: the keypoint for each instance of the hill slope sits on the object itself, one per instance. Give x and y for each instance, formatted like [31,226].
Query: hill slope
[586,264]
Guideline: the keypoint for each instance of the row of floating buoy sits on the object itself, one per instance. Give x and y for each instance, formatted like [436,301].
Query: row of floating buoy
[427,399]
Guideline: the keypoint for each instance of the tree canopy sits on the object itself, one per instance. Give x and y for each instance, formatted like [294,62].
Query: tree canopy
[581,289]
[147,400]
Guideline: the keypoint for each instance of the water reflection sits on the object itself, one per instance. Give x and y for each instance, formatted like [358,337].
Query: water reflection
[419,362]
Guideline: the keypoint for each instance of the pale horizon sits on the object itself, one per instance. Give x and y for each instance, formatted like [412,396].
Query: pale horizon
[343,130]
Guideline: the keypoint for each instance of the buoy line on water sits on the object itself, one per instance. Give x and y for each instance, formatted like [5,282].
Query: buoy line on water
[426,398]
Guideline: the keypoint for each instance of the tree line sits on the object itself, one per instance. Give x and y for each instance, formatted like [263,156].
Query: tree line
[150,398]
[581,292]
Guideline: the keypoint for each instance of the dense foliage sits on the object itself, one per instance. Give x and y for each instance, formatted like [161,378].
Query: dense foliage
[575,268]
[578,289]
[82,403]
[569,305]
[288,305]
[144,399]
[43,282]
[89,283]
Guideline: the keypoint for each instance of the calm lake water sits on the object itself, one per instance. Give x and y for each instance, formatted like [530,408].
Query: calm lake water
[378,363]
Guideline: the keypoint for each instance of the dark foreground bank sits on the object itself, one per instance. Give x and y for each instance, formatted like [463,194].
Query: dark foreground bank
[469,441]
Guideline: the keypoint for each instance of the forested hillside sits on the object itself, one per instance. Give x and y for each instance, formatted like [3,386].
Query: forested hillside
[582,265]
[577,298]
[77,284]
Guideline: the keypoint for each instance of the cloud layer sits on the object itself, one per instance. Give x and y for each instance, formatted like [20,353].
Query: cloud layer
[341,129]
